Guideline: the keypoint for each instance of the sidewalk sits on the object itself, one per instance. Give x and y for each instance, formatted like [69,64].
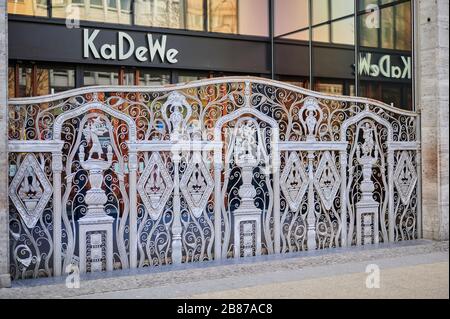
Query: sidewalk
[416,269]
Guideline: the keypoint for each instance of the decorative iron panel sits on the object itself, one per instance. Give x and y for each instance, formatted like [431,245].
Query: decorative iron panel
[122,177]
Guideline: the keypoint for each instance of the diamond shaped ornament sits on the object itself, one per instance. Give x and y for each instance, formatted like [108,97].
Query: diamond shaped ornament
[293,181]
[327,180]
[155,186]
[197,186]
[405,177]
[30,190]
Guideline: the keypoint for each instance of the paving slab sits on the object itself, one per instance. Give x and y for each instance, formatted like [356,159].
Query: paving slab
[220,278]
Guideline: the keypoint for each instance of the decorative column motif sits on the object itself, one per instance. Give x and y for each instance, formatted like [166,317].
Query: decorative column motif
[343,159]
[176,224]
[367,207]
[180,111]
[218,166]
[96,238]
[391,212]
[133,167]
[247,218]
[57,167]
[311,216]
[310,116]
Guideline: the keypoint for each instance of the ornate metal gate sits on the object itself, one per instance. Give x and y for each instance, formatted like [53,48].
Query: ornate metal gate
[122,177]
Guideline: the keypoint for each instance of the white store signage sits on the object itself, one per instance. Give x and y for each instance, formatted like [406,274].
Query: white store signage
[383,66]
[125,48]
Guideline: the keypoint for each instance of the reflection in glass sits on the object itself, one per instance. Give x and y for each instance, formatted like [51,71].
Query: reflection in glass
[301,36]
[222,16]
[109,11]
[50,81]
[320,11]
[342,8]
[25,88]
[101,78]
[176,14]
[127,78]
[247,23]
[329,88]
[291,15]
[152,78]
[11,82]
[403,30]
[368,36]
[28,7]
[191,76]
[387,28]
[343,31]
[322,33]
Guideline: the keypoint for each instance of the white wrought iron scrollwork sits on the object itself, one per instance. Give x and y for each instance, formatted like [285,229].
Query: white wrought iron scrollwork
[220,168]
[30,190]
[155,186]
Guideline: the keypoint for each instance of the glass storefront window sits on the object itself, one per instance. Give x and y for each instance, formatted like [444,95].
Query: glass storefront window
[253,17]
[320,11]
[403,27]
[37,8]
[246,17]
[127,78]
[109,11]
[33,80]
[387,28]
[368,33]
[343,31]
[93,77]
[25,84]
[53,80]
[291,15]
[185,77]
[223,16]
[329,88]
[177,14]
[322,33]
[11,82]
[342,8]
[152,78]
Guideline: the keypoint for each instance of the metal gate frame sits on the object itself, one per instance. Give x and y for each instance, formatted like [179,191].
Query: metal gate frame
[150,168]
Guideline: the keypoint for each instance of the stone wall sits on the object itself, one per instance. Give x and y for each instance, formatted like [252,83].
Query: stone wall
[5,280]
[433,103]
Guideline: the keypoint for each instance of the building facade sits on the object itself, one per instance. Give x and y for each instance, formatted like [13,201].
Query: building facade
[309,43]
[54,46]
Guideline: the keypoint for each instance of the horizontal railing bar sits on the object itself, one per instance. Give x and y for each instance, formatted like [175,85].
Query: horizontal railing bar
[407,146]
[35,146]
[199,83]
[158,146]
[312,146]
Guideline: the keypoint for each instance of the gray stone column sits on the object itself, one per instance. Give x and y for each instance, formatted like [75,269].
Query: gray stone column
[5,279]
[432,101]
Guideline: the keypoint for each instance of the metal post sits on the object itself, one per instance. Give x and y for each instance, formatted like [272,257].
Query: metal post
[133,166]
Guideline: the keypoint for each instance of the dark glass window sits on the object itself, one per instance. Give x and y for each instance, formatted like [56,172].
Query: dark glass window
[101,77]
[153,77]
[11,82]
[53,80]
[184,77]
[34,80]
